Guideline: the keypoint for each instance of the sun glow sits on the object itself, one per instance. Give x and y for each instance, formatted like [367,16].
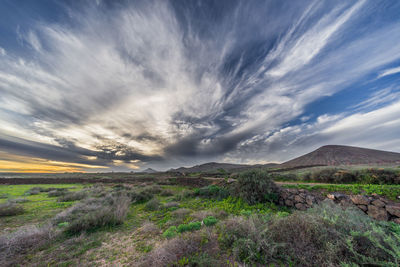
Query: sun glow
[16,163]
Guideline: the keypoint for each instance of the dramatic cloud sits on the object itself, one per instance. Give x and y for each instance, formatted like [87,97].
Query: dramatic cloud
[126,85]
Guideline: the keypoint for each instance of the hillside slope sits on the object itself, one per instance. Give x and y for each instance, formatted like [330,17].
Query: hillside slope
[210,167]
[333,155]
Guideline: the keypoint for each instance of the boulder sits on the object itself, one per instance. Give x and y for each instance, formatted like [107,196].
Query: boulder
[346,203]
[289,203]
[310,200]
[360,200]
[362,207]
[378,213]
[393,210]
[378,203]
[300,206]
[298,199]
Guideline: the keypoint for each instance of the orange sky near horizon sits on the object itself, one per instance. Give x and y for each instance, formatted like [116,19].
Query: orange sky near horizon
[23,164]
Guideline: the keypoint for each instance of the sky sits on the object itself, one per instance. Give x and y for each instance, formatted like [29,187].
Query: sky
[99,86]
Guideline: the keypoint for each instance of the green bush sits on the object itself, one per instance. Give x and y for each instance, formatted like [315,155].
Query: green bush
[10,209]
[170,232]
[139,196]
[209,221]
[166,193]
[212,191]
[189,227]
[364,176]
[152,205]
[256,186]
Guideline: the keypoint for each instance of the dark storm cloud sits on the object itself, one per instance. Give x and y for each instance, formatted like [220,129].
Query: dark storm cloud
[36,149]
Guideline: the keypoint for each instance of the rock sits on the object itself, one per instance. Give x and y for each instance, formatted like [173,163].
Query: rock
[289,203]
[298,199]
[397,220]
[359,200]
[284,194]
[300,206]
[310,200]
[346,202]
[393,210]
[384,200]
[331,196]
[378,203]
[377,213]
[341,197]
[362,207]
[337,196]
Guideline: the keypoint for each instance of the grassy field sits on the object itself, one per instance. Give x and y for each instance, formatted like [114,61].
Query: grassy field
[37,207]
[172,225]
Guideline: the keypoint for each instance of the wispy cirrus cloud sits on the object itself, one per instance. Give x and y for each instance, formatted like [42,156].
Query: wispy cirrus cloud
[389,72]
[164,83]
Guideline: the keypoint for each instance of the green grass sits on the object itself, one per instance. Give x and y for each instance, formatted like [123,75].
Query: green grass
[39,207]
[389,191]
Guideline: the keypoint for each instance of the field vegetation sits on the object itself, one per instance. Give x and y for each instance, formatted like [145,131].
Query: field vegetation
[148,224]
[343,175]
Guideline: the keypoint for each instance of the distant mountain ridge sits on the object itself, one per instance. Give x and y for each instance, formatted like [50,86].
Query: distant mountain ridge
[149,170]
[210,167]
[334,155]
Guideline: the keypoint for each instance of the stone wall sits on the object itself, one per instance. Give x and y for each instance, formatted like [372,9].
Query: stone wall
[375,206]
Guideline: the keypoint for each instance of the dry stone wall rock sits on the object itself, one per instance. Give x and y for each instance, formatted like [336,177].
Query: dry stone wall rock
[375,206]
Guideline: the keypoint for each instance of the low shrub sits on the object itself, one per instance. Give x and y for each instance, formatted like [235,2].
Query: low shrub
[167,193]
[152,205]
[325,235]
[171,232]
[171,204]
[33,191]
[94,213]
[187,249]
[192,226]
[212,191]
[153,189]
[141,196]
[256,186]
[57,192]
[10,209]
[363,176]
[4,196]
[202,214]
[183,195]
[181,213]
[72,196]
[210,221]
[18,200]
[149,228]
[23,240]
